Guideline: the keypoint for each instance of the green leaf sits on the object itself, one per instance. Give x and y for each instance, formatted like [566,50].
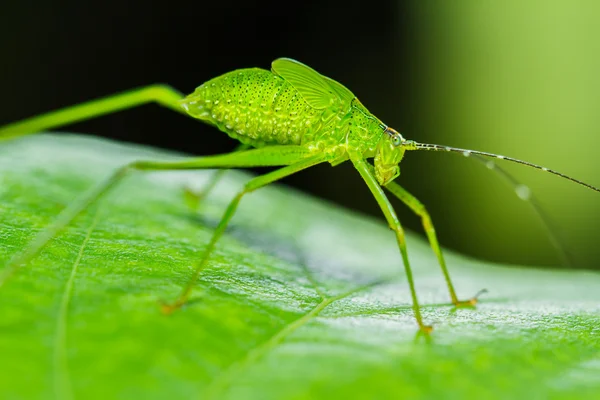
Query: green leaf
[302,299]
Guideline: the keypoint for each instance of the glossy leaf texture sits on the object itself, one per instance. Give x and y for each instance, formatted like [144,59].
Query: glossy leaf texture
[302,299]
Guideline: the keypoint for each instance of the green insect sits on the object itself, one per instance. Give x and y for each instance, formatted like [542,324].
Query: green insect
[292,117]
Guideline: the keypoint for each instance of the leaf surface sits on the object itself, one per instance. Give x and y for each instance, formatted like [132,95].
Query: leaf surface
[302,299]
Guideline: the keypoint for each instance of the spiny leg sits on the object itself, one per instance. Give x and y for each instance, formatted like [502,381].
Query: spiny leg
[193,198]
[418,208]
[394,223]
[266,156]
[161,94]
[251,186]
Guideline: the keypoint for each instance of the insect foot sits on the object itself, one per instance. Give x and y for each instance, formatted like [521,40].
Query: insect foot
[426,329]
[192,198]
[169,308]
[471,302]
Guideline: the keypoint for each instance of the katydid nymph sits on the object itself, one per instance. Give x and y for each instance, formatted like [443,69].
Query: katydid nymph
[290,117]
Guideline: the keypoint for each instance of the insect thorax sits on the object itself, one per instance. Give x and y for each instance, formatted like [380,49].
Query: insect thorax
[257,107]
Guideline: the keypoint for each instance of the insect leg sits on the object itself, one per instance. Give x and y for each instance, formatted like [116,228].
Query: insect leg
[394,223]
[266,156]
[161,94]
[193,198]
[251,186]
[418,208]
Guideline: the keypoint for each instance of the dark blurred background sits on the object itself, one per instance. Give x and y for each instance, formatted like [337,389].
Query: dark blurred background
[518,78]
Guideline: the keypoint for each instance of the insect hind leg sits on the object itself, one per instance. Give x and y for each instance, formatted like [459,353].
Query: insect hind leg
[164,95]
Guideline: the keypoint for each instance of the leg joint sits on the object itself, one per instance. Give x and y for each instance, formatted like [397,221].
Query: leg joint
[398,230]
[420,210]
[427,223]
[159,90]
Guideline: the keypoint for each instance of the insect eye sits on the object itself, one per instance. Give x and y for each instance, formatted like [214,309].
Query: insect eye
[397,138]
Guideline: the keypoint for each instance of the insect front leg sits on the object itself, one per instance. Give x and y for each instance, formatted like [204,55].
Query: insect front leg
[394,223]
[418,208]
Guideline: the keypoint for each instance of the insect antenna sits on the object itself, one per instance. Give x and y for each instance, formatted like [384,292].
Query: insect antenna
[410,145]
[524,193]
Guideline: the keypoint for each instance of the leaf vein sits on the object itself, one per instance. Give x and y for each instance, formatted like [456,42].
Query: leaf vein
[221,382]
[62,382]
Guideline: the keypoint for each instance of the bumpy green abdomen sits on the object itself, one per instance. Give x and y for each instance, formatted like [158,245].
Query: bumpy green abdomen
[256,107]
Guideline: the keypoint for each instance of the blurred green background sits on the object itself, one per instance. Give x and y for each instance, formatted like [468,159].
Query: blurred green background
[519,78]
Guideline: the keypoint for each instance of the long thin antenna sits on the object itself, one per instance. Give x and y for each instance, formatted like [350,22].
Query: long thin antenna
[411,145]
[524,193]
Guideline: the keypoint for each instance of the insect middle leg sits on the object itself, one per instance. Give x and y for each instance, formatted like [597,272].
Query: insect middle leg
[295,156]
[394,223]
[266,156]
[418,208]
[251,186]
